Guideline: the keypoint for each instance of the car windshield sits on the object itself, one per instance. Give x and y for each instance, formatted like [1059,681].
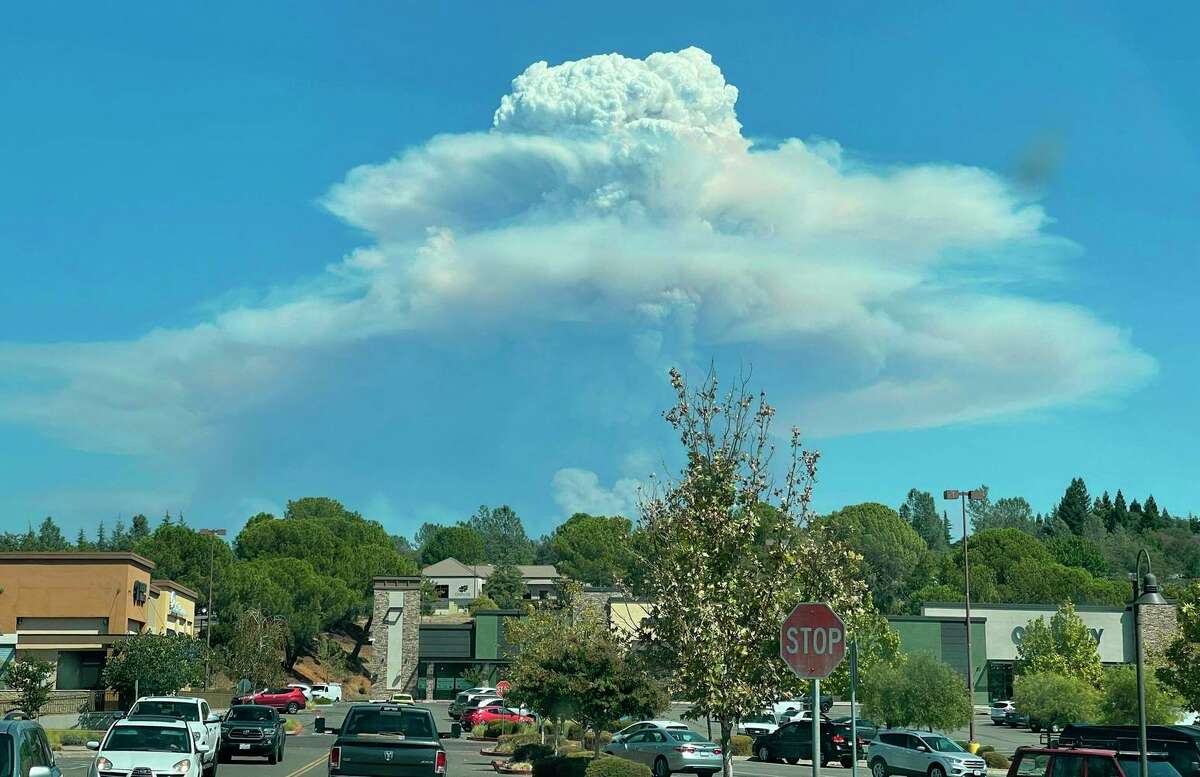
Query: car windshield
[6,757]
[380,722]
[252,713]
[761,719]
[180,710]
[1133,768]
[687,736]
[157,739]
[942,745]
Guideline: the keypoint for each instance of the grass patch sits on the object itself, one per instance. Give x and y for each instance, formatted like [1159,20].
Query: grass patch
[292,726]
[72,737]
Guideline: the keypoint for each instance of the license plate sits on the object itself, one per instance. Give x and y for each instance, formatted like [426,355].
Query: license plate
[243,747]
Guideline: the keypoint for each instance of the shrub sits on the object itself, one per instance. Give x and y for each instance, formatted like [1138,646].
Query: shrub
[589,739]
[995,760]
[572,730]
[292,726]
[561,766]
[1055,699]
[499,728]
[321,700]
[532,752]
[480,731]
[71,740]
[985,749]
[740,744]
[610,766]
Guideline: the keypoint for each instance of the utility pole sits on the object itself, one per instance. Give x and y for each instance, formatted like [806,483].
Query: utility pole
[208,613]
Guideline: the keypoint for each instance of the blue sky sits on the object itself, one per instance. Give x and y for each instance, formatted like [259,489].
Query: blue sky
[956,245]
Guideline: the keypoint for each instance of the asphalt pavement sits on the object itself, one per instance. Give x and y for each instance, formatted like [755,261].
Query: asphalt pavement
[306,753]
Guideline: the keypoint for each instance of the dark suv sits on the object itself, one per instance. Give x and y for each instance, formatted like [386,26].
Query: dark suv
[793,742]
[1085,762]
[1181,744]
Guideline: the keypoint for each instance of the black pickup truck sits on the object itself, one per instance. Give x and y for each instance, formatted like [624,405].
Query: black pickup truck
[387,740]
[252,729]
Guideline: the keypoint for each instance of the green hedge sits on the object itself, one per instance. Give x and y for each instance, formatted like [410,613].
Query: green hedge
[589,740]
[320,701]
[72,737]
[561,766]
[532,752]
[740,744]
[611,766]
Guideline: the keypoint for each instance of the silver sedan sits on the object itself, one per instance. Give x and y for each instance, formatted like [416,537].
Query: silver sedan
[668,751]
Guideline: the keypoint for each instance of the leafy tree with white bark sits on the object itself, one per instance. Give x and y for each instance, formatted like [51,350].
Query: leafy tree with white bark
[1063,647]
[721,574]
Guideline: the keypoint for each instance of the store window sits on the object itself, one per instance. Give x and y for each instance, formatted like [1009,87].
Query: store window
[999,681]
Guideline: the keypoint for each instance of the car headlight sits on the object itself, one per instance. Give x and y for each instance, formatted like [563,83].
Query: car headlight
[182,766]
[103,763]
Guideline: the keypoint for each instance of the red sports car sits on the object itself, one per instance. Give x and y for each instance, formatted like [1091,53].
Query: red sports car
[484,715]
[288,699]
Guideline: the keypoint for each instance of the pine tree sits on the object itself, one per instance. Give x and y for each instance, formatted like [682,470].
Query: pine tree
[1150,516]
[101,537]
[1075,507]
[140,529]
[1120,513]
[120,537]
[920,510]
[946,528]
[81,542]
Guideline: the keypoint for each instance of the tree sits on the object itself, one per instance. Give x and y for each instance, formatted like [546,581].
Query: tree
[50,537]
[920,511]
[183,555]
[119,540]
[716,608]
[255,649]
[1120,513]
[1150,515]
[504,538]
[1074,551]
[1054,699]
[336,543]
[32,680]
[505,586]
[1006,513]
[1075,506]
[1181,669]
[922,692]
[457,542]
[482,604]
[1063,647]
[139,529]
[569,663]
[1119,704]
[429,596]
[290,589]
[593,549]
[149,663]
[890,548]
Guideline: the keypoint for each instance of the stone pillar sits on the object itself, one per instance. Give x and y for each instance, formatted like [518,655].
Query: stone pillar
[429,681]
[395,635]
[1159,626]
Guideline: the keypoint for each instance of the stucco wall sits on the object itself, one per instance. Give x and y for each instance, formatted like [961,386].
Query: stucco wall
[57,587]
[1005,626]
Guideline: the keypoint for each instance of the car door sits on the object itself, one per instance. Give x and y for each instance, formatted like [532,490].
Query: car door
[212,730]
[635,746]
[1066,766]
[790,741]
[43,754]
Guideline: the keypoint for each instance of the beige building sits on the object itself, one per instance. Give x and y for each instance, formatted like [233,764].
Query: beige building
[69,608]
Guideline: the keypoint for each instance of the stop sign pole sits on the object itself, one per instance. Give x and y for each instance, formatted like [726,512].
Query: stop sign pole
[812,641]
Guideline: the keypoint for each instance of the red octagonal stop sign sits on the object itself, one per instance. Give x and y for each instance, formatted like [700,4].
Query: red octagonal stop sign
[812,640]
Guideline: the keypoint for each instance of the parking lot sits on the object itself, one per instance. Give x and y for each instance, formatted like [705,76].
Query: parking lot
[307,751]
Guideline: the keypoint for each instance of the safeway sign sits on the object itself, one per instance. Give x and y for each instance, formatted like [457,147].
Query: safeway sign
[812,640]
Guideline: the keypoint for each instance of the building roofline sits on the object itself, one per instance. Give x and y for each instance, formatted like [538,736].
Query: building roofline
[1013,606]
[499,612]
[172,585]
[395,582]
[76,557]
[931,619]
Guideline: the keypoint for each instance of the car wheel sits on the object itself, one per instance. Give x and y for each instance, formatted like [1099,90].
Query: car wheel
[879,768]
[661,769]
[764,754]
[846,762]
[792,761]
[293,708]
[1054,728]
[937,771]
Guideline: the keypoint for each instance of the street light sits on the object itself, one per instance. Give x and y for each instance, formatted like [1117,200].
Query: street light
[1145,591]
[212,552]
[976,495]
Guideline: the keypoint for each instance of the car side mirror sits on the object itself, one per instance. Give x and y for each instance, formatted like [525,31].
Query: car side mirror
[922,749]
[93,745]
[39,771]
[202,747]
[214,717]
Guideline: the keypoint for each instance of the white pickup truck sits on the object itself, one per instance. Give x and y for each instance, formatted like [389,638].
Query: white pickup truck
[204,724]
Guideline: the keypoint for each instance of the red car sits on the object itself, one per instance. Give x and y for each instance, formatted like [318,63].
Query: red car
[484,715]
[288,699]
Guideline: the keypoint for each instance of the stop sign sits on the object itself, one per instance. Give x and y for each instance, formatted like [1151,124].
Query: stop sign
[502,687]
[812,640]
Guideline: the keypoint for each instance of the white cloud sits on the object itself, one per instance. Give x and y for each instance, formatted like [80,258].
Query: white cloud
[619,197]
[579,491]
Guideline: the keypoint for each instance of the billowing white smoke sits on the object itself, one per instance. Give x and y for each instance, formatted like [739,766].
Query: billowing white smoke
[619,196]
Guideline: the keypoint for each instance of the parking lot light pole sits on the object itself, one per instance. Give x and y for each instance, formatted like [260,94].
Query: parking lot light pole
[212,557]
[976,495]
[1145,591]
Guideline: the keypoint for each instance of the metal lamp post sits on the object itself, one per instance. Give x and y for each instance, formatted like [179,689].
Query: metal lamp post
[208,614]
[975,495]
[1145,591]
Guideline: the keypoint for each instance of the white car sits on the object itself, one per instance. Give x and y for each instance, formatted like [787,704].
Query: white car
[331,691]
[642,725]
[998,709]
[304,688]
[157,746]
[204,724]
